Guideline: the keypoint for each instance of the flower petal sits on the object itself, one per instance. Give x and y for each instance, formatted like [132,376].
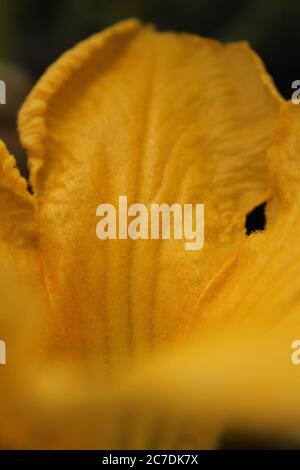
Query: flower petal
[161,118]
[237,365]
[21,320]
[17,206]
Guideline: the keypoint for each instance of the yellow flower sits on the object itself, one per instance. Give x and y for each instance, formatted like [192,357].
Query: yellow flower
[139,343]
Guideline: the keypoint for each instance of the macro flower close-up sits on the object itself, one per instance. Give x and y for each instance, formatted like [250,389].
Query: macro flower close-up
[119,342]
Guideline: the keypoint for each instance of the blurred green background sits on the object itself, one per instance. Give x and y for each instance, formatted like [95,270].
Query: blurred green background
[33,33]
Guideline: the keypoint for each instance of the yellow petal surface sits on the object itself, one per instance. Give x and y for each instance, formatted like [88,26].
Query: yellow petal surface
[17,206]
[20,280]
[160,118]
[239,364]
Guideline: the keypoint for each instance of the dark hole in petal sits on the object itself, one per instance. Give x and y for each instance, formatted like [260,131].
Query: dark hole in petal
[256,219]
[29,188]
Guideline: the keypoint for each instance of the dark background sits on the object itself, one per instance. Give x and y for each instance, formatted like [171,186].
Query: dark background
[33,33]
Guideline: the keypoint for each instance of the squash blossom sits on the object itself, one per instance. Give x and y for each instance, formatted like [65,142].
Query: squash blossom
[140,343]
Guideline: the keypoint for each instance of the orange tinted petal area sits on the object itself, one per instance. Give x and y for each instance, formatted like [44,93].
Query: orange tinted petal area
[20,280]
[17,205]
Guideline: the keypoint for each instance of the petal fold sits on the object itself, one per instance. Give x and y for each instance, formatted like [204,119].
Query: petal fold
[17,226]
